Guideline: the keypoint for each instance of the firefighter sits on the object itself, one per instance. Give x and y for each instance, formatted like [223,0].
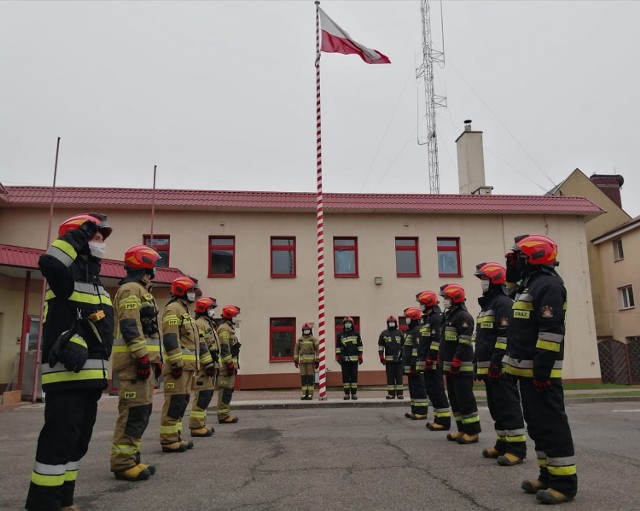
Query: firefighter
[535,351]
[503,397]
[204,382]
[77,342]
[182,347]
[414,365]
[349,355]
[456,352]
[305,358]
[430,332]
[136,356]
[390,345]
[229,365]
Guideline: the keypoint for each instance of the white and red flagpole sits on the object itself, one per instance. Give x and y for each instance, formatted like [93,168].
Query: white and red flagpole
[322,380]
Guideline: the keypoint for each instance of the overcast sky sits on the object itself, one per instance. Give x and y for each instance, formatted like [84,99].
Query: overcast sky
[221,94]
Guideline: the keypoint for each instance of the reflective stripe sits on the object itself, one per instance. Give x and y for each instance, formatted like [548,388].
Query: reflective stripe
[442,414]
[484,363]
[90,298]
[168,430]
[471,420]
[195,414]
[482,370]
[561,462]
[63,252]
[516,439]
[72,465]
[525,367]
[548,345]
[84,374]
[91,363]
[47,480]
[76,339]
[466,339]
[123,449]
[548,336]
[49,470]
[71,475]
[501,343]
[561,471]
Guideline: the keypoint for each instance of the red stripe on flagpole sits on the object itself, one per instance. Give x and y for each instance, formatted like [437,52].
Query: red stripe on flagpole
[322,368]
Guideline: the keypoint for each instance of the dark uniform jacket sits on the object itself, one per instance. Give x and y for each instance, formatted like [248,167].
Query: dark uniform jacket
[491,328]
[431,332]
[348,346]
[411,351]
[75,295]
[390,344]
[535,336]
[456,340]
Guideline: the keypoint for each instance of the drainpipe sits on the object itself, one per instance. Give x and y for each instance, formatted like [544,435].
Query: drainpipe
[25,330]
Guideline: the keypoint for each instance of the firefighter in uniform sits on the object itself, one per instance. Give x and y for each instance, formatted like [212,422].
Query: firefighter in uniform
[414,364]
[136,356]
[77,342]
[390,345]
[456,352]
[184,357]
[430,333]
[205,378]
[305,358]
[503,397]
[229,365]
[349,355]
[535,351]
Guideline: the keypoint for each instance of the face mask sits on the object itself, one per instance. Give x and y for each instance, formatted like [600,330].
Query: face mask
[407,321]
[447,303]
[391,325]
[97,249]
[191,296]
[306,332]
[347,326]
[210,313]
[423,307]
[234,320]
[484,284]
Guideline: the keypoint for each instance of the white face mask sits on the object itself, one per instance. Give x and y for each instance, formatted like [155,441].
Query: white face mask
[423,307]
[484,284]
[191,296]
[407,320]
[391,325]
[447,303]
[97,249]
[211,313]
[306,332]
[234,320]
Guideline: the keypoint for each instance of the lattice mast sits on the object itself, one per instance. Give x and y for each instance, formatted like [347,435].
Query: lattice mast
[424,75]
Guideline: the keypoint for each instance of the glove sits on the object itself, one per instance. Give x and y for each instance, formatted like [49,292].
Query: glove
[382,360]
[454,370]
[143,367]
[157,370]
[428,364]
[495,371]
[541,385]
[210,370]
[176,372]
[360,360]
[297,364]
[72,354]
[231,368]
[316,365]
[513,274]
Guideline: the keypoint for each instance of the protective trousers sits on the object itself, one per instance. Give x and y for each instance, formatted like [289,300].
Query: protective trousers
[225,386]
[350,378]
[307,378]
[394,378]
[418,394]
[176,399]
[135,400]
[69,416]
[434,383]
[503,400]
[549,429]
[463,403]
[204,394]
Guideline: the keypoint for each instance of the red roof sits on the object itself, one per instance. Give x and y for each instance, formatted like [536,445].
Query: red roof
[214,200]
[23,257]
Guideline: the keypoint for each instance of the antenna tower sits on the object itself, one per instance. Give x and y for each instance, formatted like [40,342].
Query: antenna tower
[424,74]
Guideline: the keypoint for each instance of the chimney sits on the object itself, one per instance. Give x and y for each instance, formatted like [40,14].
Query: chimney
[610,184]
[471,162]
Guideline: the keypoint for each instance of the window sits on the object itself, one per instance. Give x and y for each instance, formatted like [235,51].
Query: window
[345,257]
[283,257]
[338,324]
[222,256]
[407,257]
[160,243]
[618,253]
[282,336]
[626,297]
[449,257]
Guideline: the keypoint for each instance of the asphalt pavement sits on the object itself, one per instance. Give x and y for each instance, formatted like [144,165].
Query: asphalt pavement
[362,457]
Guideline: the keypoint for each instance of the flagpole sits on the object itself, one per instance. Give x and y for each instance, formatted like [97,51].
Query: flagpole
[38,363]
[153,206]
[322,379]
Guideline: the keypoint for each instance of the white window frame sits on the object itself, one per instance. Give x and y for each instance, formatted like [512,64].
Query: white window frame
[618,250]
[627,299]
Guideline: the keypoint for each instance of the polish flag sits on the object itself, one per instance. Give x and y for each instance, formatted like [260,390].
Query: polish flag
[336,40]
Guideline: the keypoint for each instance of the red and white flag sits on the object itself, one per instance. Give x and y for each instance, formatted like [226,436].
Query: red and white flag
[336,40]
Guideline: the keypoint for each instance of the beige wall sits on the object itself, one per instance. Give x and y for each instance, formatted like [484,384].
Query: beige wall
[483,238]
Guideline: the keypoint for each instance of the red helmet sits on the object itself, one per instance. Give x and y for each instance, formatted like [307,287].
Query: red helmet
[202,304]
[181,285]
[76,221]
[496,273]
[230,311]
[453,291]
[428,298]
[308,326]
[392,318]
[538,248]
[141,257]
[347,318]
[413,313]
